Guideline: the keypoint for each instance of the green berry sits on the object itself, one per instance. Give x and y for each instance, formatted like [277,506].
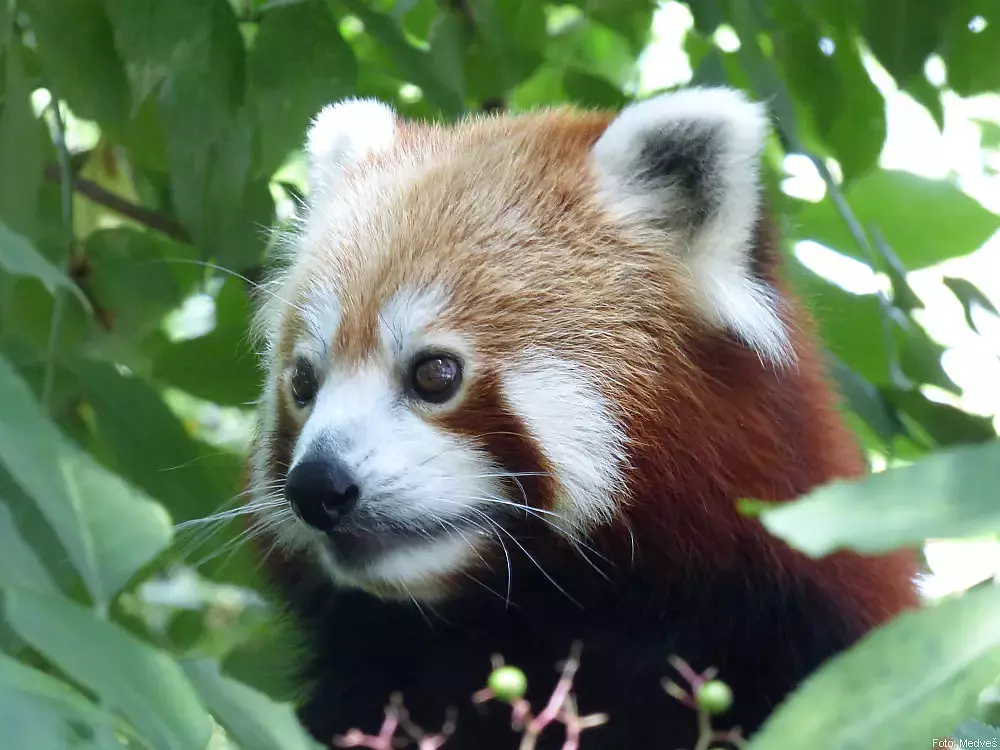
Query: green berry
[508,683]
[714,697]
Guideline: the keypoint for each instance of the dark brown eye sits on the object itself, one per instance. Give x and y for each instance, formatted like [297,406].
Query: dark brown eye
[436,378]
[303,383]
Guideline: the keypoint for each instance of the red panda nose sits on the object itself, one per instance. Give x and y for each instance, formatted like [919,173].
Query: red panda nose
[321,492]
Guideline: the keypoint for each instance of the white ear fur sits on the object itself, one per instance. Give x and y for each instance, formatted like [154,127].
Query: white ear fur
[343,134]
[686,163]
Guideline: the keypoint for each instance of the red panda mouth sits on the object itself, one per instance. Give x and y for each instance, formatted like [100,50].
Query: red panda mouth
[355,549]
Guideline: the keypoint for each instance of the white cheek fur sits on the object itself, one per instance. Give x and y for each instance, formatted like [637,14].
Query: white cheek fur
[564,410]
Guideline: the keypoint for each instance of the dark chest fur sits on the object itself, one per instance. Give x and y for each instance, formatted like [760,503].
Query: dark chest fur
[762,635]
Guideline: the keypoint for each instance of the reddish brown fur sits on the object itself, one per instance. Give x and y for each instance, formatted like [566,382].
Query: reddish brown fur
[504,215]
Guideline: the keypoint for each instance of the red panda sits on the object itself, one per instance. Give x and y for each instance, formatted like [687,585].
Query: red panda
[520,370]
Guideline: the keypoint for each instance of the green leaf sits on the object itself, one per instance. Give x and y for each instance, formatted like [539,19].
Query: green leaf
[35,532]
[255,721]
[410,63]
[29,722]
[865,400]
[22,146]
[839,315]
[225,213]
[595,50]
[945,424]
[949,494]
[928,96]
[22,679]
[18,564]
[86,506]
[970,296]
[298,63]
[154,38]
[6,11]
[192,53]
[132,274]
[902,686]
[971,56]
[156,453]
[448,38]
[925,221]
[543,88]
[847,110]
[512,40]
[919,355]
[708,16]
[220,366]
[76,46]
[589,91]
[903,33]
[19,257]
[129,676]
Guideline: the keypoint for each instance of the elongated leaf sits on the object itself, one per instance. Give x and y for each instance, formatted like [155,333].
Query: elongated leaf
[594,49]
[970,296]
[970,48]
[945,424]
[902,33]
[904,685]
[18,564]
[255,721]
[298,63]
[19,257]
[951,494]
[18,677]
[22,145]
[130,676]
[156,454]
[839,316]
[865,400]
[86,505]
[220,366]
[193,55]
[924,221]
[30,722]
[410,62]
[36,533]
[76,46]
[135,281]
[514,35]
[847,110]
[448,38]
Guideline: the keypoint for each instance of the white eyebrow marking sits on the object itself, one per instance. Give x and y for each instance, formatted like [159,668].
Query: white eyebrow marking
[406,315]
[321,312]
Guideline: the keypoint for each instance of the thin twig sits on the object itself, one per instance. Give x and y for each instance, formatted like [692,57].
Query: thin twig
[139,214]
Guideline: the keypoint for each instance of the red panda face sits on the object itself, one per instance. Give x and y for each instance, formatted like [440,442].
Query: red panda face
[472,317]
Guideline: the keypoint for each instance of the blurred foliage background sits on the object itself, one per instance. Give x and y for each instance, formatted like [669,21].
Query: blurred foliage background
[149,147]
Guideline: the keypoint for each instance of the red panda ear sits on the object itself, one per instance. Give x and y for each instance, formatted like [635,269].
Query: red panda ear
[344,133]
[684,165]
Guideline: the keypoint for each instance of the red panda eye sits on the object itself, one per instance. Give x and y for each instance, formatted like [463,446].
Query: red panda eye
[436,378]
[303,383]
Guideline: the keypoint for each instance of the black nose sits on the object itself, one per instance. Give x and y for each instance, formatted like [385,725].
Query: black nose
[321,492]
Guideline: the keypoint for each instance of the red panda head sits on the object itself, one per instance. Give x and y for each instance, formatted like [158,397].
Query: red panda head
[521,315]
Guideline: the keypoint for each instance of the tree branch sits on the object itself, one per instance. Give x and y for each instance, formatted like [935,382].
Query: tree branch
[148,218]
